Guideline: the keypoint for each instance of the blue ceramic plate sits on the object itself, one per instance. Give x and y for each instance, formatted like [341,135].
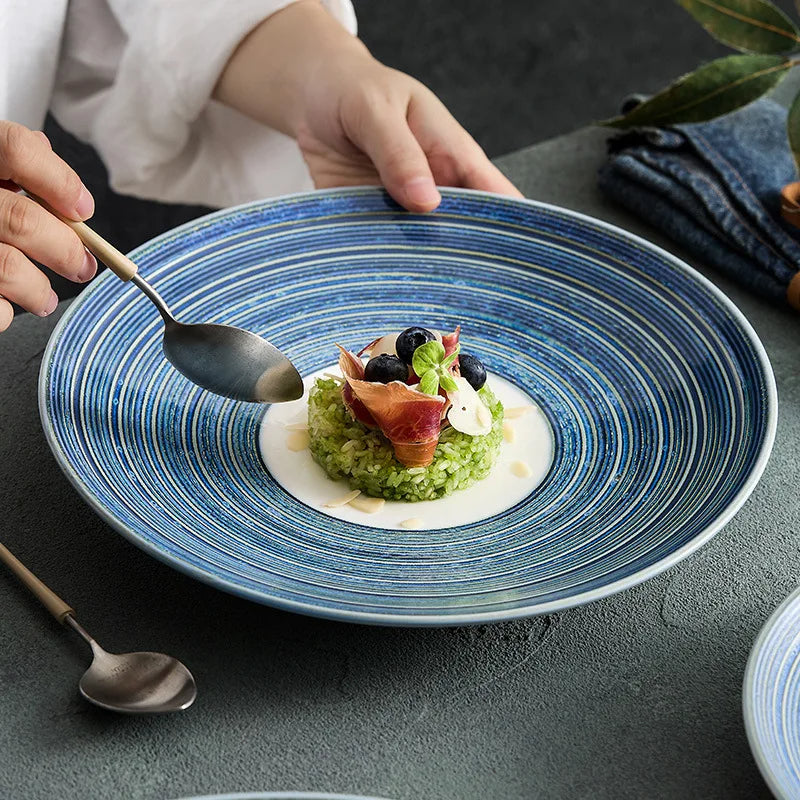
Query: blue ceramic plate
[771,700]
[660,396]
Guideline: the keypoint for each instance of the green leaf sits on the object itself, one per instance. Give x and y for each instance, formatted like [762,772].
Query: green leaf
[429,382]
[793,130]
[427,356]
[448,362]
[448,382]
[755,26]
[712,90]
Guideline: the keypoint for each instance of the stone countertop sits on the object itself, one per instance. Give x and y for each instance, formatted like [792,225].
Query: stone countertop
[635,696]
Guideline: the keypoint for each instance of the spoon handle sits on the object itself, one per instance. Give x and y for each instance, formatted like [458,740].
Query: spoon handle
[48,598]
[116,261]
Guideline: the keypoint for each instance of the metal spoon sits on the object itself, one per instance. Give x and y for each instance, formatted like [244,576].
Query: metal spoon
[133,683]
[221,358]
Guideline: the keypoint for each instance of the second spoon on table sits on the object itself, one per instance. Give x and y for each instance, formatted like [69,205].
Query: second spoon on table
[224,359]
[132,683]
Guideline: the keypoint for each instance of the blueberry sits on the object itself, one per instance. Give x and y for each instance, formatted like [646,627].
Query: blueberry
[473,370]
[385,368]
[409,340]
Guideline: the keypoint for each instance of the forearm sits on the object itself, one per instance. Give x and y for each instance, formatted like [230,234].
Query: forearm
[272,70]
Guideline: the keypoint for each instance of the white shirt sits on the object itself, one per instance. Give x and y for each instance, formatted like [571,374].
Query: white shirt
[134,78]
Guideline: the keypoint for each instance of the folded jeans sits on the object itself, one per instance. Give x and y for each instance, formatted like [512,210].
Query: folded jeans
[715,188]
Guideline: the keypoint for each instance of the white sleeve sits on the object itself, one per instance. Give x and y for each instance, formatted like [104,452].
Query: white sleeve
[135,80]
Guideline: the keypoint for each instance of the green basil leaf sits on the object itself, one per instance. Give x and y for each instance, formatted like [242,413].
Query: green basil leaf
[429,382]
[427,356]
[448,383]
[448,362]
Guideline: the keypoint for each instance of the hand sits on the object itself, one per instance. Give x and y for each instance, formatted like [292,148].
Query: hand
[356,121]
[366,123]
[27,231]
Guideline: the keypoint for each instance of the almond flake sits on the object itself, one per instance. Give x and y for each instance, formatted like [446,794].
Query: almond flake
[513,413]
[369,505]
[509,434]
[296,426]
[521,469]
[298,440]
[343,500]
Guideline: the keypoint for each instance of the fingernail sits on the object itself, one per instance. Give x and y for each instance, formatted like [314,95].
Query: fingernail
[51,305]
[88,269]
[422,192]
[85,206]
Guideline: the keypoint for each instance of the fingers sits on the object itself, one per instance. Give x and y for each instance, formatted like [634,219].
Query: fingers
[24,284]
[456,158]
[382,132]
[6,314]
[27,159]
[26,226]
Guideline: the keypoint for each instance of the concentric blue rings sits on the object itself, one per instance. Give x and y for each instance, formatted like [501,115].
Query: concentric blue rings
[771,700]
[660,395]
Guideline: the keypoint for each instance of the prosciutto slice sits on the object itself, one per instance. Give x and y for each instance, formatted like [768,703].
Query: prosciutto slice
[409,419]
[353,368]
[450,343]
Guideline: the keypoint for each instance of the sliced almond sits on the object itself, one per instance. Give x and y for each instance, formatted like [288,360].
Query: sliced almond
[509,434]
[412,523]
[334,376]
[385,344]
[298,440]
[343,500]
[369,505]
[521,469]
[296,426]
[468,413]
[514,413]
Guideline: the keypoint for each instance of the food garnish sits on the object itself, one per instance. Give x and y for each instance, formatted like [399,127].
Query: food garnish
[411,393]
[410,340]
[385,368]
[473,370]
[406,423]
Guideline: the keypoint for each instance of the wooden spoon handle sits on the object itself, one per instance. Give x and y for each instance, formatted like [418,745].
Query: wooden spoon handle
[48,598]
[116,261]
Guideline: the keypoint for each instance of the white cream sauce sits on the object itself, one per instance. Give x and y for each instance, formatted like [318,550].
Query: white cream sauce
[305,480]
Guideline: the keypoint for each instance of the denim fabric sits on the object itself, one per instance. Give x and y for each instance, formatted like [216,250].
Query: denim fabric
[714,187]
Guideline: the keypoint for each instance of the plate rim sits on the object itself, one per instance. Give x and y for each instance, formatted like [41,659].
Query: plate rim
[748,704]
[430,620]
[291,795]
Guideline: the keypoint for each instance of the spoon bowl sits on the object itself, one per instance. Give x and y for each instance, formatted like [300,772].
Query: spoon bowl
[231,362]
[137,683]
[220,358]
[224,359]
[131,683]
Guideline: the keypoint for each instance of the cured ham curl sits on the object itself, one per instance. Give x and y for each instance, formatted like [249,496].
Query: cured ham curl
[409,419]
[450,343]
[353,368]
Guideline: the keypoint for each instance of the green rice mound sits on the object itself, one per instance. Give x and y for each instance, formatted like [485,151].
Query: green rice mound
[347,449]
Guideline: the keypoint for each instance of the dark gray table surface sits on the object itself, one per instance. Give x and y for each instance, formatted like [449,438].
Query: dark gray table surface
[634,696]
